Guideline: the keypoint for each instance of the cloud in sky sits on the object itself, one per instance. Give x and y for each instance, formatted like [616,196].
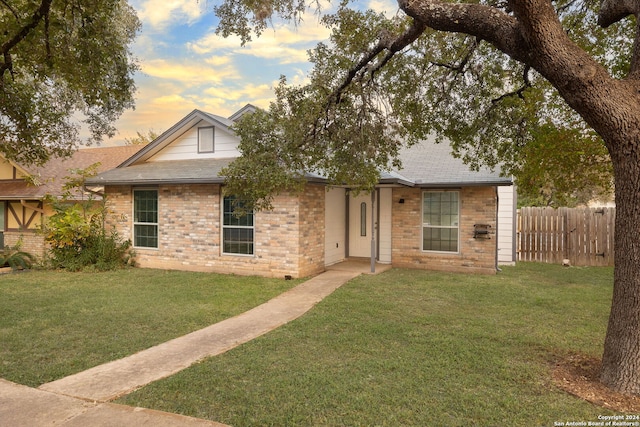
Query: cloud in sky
[286,44]
[185,65]
[207,71]
[389,7]
[160,14]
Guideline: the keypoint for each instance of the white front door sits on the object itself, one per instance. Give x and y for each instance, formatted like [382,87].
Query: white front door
[360,216]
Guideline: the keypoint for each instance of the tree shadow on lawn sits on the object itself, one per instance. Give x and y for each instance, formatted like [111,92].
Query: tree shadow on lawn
[579,375]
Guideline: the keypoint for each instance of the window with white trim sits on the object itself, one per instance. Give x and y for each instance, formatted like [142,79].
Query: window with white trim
[237,230]
[145,218]
[440,221]
[206,137]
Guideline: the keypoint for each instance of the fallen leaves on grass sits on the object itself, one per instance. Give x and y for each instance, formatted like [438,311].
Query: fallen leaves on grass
[579,376]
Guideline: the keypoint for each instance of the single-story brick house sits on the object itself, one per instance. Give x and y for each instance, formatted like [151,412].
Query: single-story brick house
[23,191]
[433,214]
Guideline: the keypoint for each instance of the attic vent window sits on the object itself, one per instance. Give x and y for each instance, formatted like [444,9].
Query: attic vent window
[206,137]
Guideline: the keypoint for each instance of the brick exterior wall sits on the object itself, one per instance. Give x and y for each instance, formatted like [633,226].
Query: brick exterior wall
[120,210]
[477,206]
[31,241]
[289,240]
[312,230]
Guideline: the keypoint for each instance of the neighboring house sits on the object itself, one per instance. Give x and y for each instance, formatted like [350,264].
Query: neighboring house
[433,214]
[23,190]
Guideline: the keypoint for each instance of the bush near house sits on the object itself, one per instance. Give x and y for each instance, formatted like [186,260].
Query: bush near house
[79,240]
[77,234]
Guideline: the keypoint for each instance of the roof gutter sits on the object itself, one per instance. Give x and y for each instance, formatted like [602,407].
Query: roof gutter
[156,181]
[464,184]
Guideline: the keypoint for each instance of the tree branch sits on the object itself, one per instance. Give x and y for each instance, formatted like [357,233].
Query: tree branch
[612,11]
[365,65]
[569,5]
[12,10]
[387,42]
[460,67]
[615,11]
[395,46]
[5,49]
[485,22]
[518,92]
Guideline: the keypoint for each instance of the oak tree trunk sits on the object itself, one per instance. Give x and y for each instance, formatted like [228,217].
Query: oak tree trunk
[612,108]
[621,358]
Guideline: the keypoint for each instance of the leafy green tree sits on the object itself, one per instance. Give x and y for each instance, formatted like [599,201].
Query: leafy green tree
[560,171]
[58,59]
[495,78]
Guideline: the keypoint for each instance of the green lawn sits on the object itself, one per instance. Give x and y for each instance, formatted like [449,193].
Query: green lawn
[53,324]
[400,348]
[409,348]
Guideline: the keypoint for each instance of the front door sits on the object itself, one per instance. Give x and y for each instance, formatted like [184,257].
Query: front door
[360,217]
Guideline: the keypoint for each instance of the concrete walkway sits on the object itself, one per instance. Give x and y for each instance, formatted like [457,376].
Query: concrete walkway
[82,399]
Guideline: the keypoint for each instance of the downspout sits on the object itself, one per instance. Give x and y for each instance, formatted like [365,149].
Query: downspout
[373,231]
[514,229]
[346,223]
[497,223]
[378,224]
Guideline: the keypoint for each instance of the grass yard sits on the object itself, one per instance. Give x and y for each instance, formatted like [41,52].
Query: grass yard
[53,324]
[409,348]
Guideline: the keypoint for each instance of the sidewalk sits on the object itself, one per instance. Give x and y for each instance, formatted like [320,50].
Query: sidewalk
[82,399]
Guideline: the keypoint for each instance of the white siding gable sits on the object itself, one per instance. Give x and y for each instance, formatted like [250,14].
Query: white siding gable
[185,146]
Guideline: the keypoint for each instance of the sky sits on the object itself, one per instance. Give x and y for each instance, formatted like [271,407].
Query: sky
[184,65]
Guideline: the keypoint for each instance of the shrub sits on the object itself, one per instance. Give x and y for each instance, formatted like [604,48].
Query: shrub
[79,240]
[12,256]
[77,232]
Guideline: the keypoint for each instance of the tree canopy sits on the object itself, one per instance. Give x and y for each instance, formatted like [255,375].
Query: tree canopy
[381,82]
[502,80]
[63,63]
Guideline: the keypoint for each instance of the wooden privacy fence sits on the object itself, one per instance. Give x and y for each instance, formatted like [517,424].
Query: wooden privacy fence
[584,236]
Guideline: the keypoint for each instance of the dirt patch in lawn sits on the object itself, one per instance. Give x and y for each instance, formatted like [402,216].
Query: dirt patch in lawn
[579,376]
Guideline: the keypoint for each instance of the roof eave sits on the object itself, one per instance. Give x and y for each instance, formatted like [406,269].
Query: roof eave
[396,181]
[134,182]
[315,180]
[464,184]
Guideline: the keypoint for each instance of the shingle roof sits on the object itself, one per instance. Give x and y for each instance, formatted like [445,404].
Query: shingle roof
[175,172]
[424,165]
[427,164]
[52,175]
